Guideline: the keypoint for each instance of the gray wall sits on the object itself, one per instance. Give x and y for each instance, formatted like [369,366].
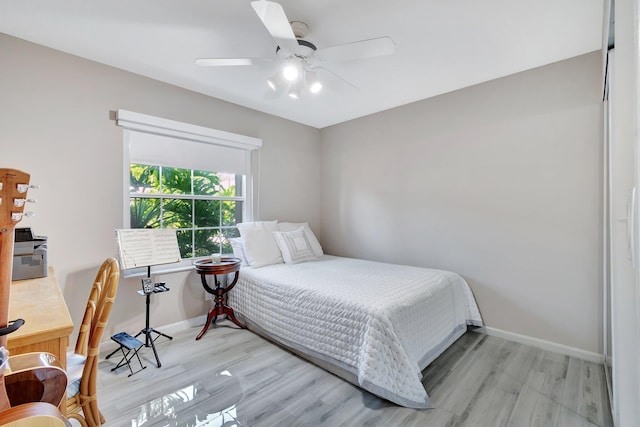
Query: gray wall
[499,182]
[54,124]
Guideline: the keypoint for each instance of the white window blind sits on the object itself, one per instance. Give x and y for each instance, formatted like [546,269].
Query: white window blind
[157,141]
[148,149]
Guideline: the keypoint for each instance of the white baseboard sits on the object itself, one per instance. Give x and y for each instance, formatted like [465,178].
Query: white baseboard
[183,324]
[545,345]
[589,356]
[110,345]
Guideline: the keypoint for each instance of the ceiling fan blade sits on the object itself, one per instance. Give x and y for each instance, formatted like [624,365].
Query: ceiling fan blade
[275,20]
[335,77]
[227,62]
[358,50]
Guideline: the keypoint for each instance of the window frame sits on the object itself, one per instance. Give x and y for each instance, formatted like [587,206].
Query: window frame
[162,196]
[137,122]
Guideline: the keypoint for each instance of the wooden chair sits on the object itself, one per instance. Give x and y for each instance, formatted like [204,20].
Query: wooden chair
[82,364]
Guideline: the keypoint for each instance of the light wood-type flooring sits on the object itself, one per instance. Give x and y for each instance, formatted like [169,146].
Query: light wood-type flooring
[233,377]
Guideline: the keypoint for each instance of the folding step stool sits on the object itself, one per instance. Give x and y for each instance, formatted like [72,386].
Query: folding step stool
[132,345]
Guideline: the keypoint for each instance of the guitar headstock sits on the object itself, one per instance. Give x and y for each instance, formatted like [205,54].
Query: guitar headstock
[14,185]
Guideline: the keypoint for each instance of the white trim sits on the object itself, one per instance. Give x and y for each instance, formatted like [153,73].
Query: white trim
[171,329]
[589,356]
[159,126]
[126,182]
[161,269]
[249,191]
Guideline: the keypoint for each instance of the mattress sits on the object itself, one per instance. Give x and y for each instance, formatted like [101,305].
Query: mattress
[382,324]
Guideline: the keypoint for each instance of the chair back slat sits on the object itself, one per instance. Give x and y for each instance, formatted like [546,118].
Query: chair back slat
[96,316]
[89,312]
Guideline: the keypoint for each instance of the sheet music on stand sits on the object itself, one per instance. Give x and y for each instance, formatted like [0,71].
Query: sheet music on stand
[147,246]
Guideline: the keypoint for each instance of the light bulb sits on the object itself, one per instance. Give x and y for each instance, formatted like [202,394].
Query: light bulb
[315,85]
[290,72]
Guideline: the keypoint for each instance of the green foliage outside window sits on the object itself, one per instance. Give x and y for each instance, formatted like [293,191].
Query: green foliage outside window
[202,206]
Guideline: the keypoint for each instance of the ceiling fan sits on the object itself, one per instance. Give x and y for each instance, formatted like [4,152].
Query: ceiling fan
[300,57]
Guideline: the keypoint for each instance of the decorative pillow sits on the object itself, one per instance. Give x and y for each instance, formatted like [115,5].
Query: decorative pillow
[313,241]
[295,246]
[260,246]
[238,250]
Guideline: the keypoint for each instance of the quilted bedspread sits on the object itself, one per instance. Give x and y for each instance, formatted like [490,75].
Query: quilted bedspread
[381,322]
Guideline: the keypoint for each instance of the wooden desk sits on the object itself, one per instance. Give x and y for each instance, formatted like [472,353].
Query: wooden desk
[47,324]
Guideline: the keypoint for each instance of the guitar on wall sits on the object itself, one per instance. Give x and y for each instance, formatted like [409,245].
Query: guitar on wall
[14,185]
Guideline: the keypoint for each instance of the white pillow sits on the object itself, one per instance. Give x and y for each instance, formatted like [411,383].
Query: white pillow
[238,250]
[313,241]
[260,246]
[295,246]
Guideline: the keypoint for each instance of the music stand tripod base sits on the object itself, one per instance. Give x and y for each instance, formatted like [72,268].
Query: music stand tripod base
[149,340]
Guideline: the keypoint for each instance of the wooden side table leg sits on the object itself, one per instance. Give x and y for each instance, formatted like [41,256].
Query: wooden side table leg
[219,292]
[210,318]
[229,312]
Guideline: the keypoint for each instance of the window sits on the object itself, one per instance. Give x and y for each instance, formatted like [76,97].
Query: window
[196,180]
[202,206]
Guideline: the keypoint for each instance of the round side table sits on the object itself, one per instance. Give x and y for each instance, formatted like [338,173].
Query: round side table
[208,268]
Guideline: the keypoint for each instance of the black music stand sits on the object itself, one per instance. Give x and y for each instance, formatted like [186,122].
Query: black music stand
[149,340]
[144,248]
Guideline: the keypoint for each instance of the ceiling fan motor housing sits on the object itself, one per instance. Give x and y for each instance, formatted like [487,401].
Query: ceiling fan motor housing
[300,29]
[304,50]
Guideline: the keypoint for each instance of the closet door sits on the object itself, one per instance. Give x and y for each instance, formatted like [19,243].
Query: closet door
[625,178]
[606,235]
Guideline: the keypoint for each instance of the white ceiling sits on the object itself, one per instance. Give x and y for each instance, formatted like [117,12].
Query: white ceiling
[441,45]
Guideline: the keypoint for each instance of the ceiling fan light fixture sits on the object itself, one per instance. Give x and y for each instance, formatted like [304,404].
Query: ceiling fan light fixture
[291,70]
[274,82]
[277,83]
[296,57]
[313,82]
[315,87]
[295,91]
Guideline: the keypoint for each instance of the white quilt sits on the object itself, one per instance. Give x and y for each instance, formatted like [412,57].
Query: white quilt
[381,322]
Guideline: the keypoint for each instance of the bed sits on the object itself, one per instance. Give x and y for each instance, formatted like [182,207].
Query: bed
[376,325]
